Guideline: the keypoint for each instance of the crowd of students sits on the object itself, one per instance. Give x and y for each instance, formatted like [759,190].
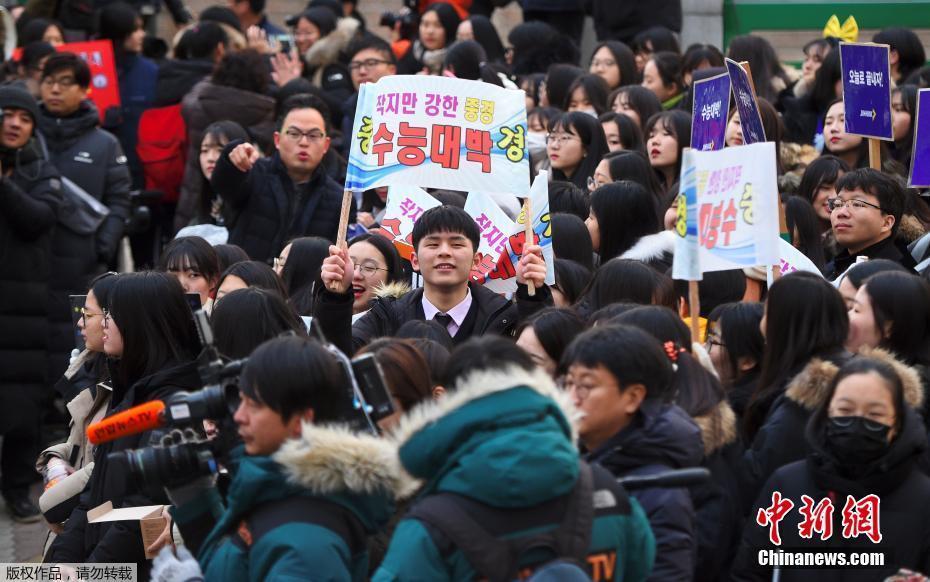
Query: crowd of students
[513,416]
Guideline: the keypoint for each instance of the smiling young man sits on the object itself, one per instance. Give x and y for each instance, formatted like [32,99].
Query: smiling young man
[445,241]
[288,194]
[865,216]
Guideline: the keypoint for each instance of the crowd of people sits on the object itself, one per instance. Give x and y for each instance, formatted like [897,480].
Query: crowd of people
[519,432]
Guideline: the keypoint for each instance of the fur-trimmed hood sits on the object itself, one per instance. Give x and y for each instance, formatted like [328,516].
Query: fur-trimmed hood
[718,428]
[396,290]
[910,229]
[329,460]
[504,437]
[810,387]
[326,50]
[652,247]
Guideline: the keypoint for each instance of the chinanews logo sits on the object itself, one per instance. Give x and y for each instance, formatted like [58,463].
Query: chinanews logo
[859,521]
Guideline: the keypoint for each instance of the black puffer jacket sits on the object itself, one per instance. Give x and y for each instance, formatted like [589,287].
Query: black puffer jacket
[904,509]
[120,541]
[177,78]
[495,314]
[271,210]
[94,160]
[660,438]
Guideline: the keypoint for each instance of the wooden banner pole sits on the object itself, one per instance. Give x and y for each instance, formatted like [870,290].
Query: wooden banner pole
[529,239]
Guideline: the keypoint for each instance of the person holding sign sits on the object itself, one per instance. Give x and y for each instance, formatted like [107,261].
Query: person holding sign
[288,194]
[865,216]
[445,241]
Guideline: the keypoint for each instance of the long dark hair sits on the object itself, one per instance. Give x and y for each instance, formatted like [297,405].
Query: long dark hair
[624,57]
[625,212]
[765,65]
[301,273]
[901,301]
[631,134]
[592,140]
[804,227]
[633,166]
[191,253]
[738,324]
[901,148]
[486,35]
[395,265]
[622,281]
[824,170]
[571,239]
[697,390]
[555,328]
[246,318]
[255,274]
[677,123]
[155,323]
[595,89]
[222,132]
[805,318]
[640,99]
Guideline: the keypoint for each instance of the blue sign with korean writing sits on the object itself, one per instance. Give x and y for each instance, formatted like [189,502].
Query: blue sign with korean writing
[746,106]
[867,89]
[710,112]
[920,156]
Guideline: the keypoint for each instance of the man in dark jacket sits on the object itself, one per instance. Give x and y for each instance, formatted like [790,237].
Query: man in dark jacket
[93,159]
[445,239]
[865,216]
[287,195]
[30,194]
[620,380]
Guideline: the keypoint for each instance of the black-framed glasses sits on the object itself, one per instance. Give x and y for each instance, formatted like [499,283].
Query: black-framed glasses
[367,63]
[64,82]
[313,136]
[368,269]
[835,204]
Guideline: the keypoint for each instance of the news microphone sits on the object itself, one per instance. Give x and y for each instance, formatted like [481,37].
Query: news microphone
[668,479]
[137,419]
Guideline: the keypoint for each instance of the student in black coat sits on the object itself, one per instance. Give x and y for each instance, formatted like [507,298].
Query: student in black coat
[30,196]
[865,439]
[445,239]
[287,195]
[150,329]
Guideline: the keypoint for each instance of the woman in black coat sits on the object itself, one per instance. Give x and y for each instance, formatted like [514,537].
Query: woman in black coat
[865,440]
[150,329]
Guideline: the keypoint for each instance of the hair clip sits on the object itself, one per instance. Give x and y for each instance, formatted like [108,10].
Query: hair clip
[672,350]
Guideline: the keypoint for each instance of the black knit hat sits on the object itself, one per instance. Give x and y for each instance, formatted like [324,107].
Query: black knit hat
[17,97]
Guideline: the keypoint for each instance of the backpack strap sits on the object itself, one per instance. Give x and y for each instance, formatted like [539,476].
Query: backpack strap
[304,509]
[484,533]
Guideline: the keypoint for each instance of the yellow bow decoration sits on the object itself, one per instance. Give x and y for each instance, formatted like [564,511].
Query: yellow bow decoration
[849,32]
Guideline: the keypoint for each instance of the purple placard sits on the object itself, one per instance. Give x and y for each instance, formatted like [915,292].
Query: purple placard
[867,89]
[920,156]
[709,112]
[749,117]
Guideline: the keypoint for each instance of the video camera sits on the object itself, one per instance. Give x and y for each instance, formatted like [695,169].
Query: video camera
[407,17]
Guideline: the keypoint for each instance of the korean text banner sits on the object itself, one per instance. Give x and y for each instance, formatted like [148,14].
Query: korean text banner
[710,113]
[746,106]
[404,206]
[920,156]
[867,89]
[495,229]
[503,279]
[441,132]
[727,212]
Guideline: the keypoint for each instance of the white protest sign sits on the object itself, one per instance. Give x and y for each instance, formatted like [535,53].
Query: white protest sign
[404,206]
[791,259]
[727,211]
[503,279]
[495,228]
[440,132]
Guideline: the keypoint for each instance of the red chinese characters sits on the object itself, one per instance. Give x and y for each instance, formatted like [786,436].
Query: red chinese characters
[817,519]
[771,516]
[861,517]
[858,517]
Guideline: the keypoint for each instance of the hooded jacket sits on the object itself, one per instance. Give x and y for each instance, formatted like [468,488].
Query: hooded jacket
[359,473]
[120,541]
[502,438]
[661,437]
[207,103]
[93,159]
[903,518]
[781,439]
[495,314]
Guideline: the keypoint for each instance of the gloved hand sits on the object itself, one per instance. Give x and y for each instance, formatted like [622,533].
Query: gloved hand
[181,568]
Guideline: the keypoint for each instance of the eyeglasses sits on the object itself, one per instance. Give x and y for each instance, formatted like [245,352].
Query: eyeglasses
[367,63]
[714,341]
[279,262]
[85,315]
[368,269]
[313,136]
[64,82]
[581,392]
[835,204]
[560,138]
[603,63]
[594,184]
[106,319]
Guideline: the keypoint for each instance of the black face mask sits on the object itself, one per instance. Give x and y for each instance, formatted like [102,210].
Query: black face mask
[856,441]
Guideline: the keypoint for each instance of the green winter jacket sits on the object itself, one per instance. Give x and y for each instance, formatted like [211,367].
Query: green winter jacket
[503,438]
[357,472]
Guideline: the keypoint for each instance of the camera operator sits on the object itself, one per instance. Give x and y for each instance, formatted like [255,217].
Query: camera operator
[305,497]
[150,330]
